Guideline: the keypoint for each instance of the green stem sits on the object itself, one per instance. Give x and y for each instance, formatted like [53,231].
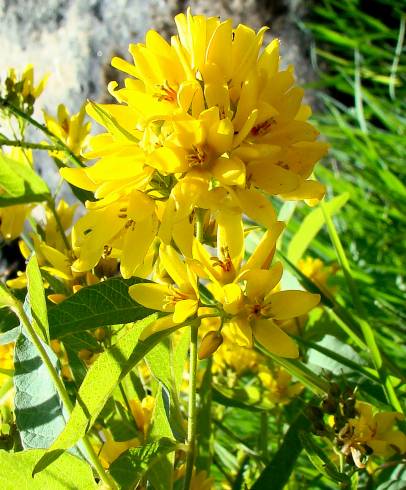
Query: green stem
[58,142]
[263,436]
[296,368]
[192,409]
[60,387]
[124,395]
[51,205]
[366,329]
[27,144]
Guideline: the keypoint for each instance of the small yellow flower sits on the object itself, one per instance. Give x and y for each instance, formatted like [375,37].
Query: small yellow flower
[279,386]
[7,363]
[374,431]
[254,307]
[21,91]
[72,130]
[142,413]
[112,449]
[238,359]
[181,299]
[113,230]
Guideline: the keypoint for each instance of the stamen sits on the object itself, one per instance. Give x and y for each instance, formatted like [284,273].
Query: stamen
[264,127]
[196,157]
[166,93]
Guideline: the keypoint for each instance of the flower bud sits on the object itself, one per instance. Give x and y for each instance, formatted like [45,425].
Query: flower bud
[100,334]
[209,344]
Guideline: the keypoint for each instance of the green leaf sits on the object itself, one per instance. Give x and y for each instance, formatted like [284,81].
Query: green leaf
[204,421]
[101,380]
[335,356]
[282,464]
[70,472]
[317,384]
[105,303]
[167,365]
[320,460]
[38,407]
[6,298]
[19,184]
[161,477]
[37,300]
[310,226]
[130,467]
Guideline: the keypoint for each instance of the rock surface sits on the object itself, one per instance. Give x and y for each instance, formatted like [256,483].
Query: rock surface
[75,40]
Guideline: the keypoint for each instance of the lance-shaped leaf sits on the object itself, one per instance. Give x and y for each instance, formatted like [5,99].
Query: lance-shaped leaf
[37,300]
[283,462]
[19,184]
[311,225]
[105,303]
[38,407]
[101,380]
[70,472]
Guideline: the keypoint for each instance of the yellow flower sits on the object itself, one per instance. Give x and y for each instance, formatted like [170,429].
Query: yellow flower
[278,382]
[22,91]
[238,359]
[200,480]
[72,130]
[142,413]
[374,431]
[181,299]
[203,122]
[253,307]
[113,230]
[112,449]
[246,292]
[6,363]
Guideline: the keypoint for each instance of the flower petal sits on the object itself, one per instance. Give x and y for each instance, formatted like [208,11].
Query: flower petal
[290,304]
[233,298]
[153,296]
[184,309]
[137,240]
[164,323]
[261,282]
[274,339]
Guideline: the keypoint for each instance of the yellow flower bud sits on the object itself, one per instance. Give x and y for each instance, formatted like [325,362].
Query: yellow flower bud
[100,333]
[210,343]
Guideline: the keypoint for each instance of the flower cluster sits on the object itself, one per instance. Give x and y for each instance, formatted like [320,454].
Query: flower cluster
[206,129]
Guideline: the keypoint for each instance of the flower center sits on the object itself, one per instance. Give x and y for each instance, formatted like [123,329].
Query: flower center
[197,156]
[166,92]
[264,127]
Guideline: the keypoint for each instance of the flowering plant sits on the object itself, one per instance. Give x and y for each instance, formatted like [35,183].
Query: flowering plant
[176,251]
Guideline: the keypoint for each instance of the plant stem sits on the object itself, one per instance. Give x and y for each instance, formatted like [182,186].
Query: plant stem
[263,436]
[192,409]
[60,387]
[366,329]
[27,144]
[58,142]
[51,205]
